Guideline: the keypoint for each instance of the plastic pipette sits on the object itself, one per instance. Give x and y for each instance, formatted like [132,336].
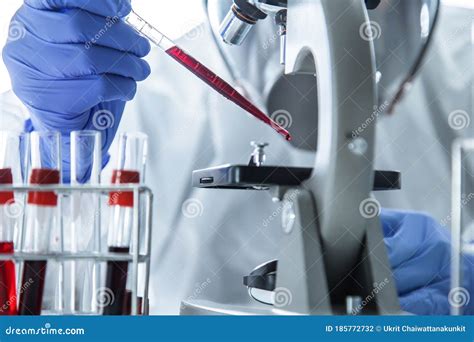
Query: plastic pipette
[200,70]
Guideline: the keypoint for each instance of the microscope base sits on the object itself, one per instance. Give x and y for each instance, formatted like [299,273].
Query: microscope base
[206,308]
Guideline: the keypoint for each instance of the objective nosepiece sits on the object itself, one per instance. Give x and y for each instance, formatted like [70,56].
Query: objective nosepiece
[239,22]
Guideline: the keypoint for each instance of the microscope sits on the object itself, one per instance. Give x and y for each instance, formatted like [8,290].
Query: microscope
[335,260]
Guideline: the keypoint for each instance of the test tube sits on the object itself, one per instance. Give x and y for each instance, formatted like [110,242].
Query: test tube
[41,217]
[86,166]
[462,227]
[130,169]
[12,169]
[127,306]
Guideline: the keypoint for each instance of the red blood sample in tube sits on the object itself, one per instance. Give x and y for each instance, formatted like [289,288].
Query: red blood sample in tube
[7,268]
[34,271]
[117,271]
[223,88]
[116,282]
[123,198]
[127,307]
[44,177]
[7,282]
[34,274]
[6,178]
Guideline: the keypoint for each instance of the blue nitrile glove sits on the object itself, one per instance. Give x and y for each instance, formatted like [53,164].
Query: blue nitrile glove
[419,250]
[74,64]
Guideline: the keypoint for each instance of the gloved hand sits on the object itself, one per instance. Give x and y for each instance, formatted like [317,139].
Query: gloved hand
[74,64]
[419,250]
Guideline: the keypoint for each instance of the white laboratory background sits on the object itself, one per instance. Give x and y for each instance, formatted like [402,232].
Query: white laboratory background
[174,18]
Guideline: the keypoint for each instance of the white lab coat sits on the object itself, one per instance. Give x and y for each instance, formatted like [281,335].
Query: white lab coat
[191,127]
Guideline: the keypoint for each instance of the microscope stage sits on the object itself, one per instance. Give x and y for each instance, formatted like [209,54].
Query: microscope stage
[244,177]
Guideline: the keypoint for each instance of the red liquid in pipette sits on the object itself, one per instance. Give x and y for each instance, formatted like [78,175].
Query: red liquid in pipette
[223,88]
[7,282]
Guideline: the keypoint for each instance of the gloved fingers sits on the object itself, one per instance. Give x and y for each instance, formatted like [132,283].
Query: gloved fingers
[68,96]
[426,301]
[421,271]
[107,61]
[80,27]
[405,235]
[73,60]
[105,8]
[112,87]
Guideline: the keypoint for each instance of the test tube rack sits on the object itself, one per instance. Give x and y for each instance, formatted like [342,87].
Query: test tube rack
[140,245]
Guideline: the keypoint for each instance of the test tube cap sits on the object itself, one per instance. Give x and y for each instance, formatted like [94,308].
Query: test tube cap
[44,177]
